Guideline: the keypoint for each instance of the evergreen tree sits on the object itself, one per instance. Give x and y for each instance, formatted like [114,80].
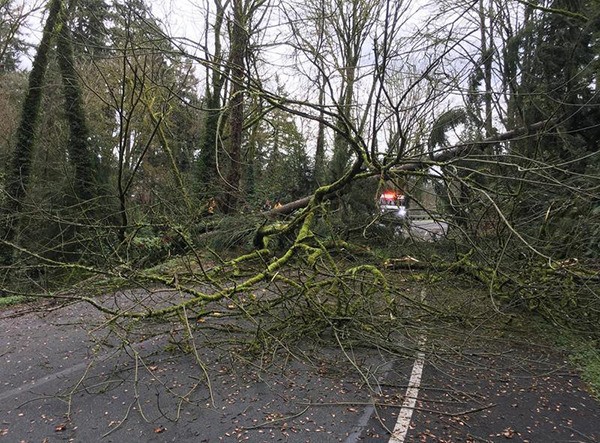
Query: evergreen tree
[12,45]
[287,173]
[558,81]
[90,26]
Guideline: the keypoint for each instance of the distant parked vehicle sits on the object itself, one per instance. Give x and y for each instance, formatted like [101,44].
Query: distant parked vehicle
[392,205]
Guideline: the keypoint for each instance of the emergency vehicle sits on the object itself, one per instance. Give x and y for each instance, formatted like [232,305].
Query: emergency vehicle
[393,204]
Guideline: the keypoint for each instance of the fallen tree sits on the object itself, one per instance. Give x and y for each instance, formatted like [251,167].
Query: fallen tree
[462,150]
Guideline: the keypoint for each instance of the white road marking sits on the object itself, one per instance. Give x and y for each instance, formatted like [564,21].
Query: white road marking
[14,393]
[412,393]
[34,384]
[410,399]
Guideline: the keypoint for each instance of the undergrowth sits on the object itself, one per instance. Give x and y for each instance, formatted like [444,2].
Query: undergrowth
[584,354]
[586,357]
[12,300]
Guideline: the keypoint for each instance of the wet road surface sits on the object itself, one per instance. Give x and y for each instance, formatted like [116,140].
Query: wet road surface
[66,376]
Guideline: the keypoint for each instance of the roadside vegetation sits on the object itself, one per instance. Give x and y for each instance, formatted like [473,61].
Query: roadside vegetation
[587,358]
[9,301]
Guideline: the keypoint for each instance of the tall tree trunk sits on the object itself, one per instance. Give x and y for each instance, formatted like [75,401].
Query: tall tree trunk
[239,44]
[352,21]
[487,60]
[206,169]
[19,171]
[250,172]
[319,172]
[341,148]
[79,149]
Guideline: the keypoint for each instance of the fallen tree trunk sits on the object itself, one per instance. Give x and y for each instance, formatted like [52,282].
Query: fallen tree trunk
[424,161]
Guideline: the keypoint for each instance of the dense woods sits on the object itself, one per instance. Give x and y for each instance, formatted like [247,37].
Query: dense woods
[257,152]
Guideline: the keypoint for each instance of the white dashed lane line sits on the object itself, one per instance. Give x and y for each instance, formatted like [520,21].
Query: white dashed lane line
[408,406]
[412,392]
[410,399]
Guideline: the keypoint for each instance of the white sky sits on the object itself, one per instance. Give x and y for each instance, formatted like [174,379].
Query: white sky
[186,19]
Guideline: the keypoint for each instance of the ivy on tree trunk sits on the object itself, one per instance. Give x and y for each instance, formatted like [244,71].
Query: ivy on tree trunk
[19,171]
[79,149]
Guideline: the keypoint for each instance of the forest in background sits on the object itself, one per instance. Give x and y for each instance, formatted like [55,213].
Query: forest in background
[256,155]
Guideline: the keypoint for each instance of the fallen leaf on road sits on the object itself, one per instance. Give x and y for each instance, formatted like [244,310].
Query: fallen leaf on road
[508,433]
[61,427]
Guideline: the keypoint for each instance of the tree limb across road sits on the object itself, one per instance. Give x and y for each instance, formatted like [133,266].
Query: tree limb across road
[426,160]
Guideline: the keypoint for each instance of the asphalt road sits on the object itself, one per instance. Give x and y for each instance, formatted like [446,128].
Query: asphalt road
[428,229]
[66,377]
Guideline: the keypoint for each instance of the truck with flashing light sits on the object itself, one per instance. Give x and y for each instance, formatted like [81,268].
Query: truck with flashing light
[392,204]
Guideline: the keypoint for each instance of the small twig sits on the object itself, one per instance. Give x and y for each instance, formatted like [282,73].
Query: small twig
[394,405]
[121,421]
[277,420]
[197,355]
[136,384]
[480,439]
[587,437]
[75,388]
